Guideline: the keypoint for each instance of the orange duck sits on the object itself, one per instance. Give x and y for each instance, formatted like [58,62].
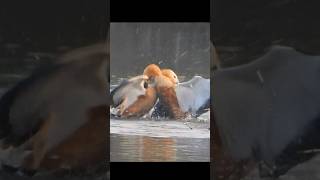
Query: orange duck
[134,98]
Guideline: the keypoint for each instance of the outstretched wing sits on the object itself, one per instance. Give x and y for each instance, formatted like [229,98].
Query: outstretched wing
[128,90]
[194,95]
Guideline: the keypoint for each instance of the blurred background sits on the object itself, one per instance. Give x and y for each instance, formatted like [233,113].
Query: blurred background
[183,47]
[243,30]
[33,33]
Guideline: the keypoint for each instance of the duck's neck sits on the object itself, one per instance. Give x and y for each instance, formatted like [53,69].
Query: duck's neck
[163,81]
[167,96]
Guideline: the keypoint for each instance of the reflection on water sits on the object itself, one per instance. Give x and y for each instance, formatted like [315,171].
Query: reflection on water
[150,149]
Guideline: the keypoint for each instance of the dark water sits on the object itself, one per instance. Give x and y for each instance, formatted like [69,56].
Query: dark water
[150,149]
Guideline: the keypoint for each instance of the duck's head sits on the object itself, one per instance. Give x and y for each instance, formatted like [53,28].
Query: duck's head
[171,75]
[140,81]
[152,71]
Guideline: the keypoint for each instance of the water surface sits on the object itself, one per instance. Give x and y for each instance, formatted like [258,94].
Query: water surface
[145,140]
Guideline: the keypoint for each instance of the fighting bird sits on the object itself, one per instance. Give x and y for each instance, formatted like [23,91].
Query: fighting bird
[194,95]
[134,98]
[268,110]
[56,118]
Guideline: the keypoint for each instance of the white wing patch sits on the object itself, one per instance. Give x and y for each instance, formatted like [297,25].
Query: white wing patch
[193,94]
[130,92]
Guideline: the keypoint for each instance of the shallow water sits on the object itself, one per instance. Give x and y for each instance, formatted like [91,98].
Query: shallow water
[154,141]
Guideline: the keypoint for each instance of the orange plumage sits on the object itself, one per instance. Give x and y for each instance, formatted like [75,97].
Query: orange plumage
[165,88]
[171,75]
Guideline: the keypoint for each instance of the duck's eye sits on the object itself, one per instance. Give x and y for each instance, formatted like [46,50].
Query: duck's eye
[145,85]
